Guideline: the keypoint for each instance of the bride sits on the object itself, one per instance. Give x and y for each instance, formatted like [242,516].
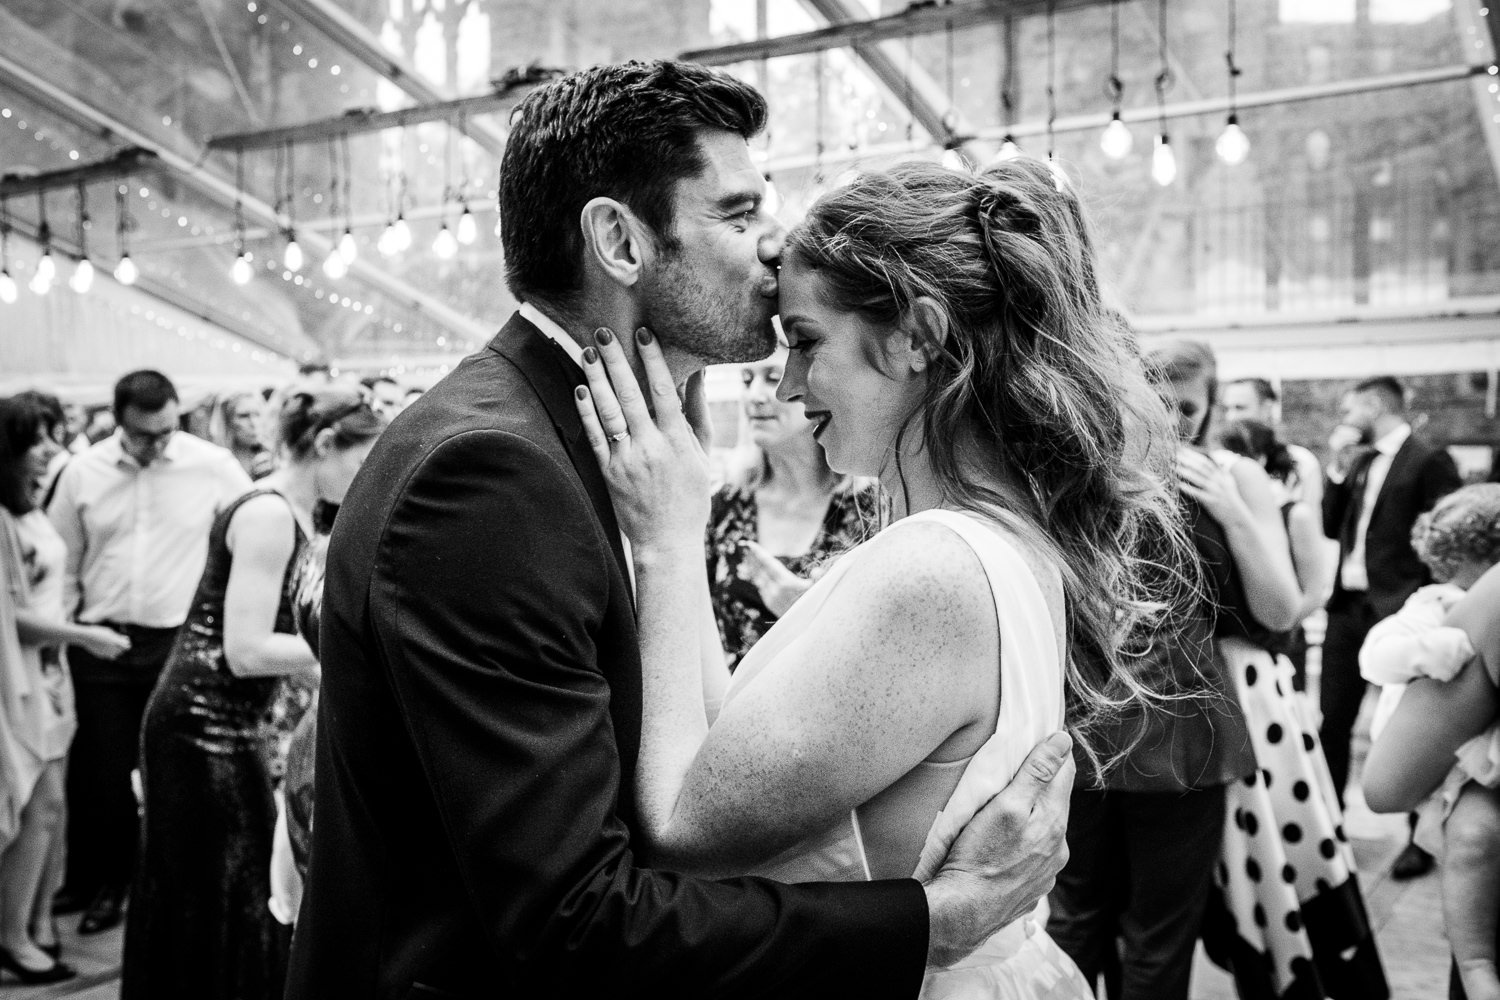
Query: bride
[946,334]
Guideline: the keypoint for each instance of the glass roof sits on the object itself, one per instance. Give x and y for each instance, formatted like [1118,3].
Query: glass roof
[1382,197]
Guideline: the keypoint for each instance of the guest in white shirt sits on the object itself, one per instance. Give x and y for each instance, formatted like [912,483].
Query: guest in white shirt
[134,510]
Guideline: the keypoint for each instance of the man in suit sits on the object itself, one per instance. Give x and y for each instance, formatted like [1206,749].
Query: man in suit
[481,701]
[1380,478]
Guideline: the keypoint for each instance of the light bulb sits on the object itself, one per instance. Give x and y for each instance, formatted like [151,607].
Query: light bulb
[126,272]
[468,229]
[401,234]
[335,266]
[1116,140]
[1163,161]
[46,269]
[348,247]
[387,242]
[7,288]
[1059,176]
[241,271]
[1233,145]
[954,160]
[1008,149]
[40,283]
[292,259]
[83,277]
[445,246]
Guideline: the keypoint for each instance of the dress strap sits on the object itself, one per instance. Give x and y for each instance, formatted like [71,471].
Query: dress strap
[1031,679]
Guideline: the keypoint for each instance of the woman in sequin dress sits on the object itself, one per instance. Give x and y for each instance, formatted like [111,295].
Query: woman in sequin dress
[199,925]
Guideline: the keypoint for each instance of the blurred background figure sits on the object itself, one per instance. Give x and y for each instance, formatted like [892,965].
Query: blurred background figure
[780,516]
[134,511]
[386,396]
[200,925]
[235,423]
[1381,477]
[1256,399]
[1312,558]
[37,719]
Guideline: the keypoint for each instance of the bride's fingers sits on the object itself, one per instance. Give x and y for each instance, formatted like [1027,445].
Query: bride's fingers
[664,399]
[627,390]
[610,416]
[592,430]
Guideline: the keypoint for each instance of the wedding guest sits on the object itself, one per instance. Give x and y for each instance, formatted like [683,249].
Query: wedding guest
[1381,478]
[1257,399]
[1144,839]
[780,517]
[36,718]
[1432,723]
[1458,540]
[234,423]
[134,511]
[385,394]
[199,924]
[1302,519]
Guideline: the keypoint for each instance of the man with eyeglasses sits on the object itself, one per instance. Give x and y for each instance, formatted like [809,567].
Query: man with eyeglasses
[135,511]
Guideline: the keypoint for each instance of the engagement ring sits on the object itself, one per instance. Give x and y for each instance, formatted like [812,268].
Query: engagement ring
[617,438]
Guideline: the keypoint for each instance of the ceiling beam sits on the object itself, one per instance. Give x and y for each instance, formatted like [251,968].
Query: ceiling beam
[126,161]
[186,161]
[917,19]
[929,106]
[506,95]
[339,27]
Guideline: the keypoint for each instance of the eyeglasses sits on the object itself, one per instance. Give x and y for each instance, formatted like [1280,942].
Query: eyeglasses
[146,439]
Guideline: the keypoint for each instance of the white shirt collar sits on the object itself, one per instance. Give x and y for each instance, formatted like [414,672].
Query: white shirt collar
[1393,439]
[552,331]
[116,442]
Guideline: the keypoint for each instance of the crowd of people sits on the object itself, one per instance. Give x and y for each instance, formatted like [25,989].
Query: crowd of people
[542,705]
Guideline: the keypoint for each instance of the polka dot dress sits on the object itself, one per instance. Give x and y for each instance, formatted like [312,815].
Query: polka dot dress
[1294,910]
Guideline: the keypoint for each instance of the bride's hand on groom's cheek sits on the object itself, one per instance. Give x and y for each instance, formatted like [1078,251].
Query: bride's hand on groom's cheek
[1007,858]
[650,456]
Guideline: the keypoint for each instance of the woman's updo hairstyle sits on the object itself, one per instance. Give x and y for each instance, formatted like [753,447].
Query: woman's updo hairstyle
[307,412]
[1037,385]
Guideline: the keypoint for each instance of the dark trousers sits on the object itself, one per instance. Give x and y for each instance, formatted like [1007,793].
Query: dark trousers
[1342,689]
[111,696]
[1129,903]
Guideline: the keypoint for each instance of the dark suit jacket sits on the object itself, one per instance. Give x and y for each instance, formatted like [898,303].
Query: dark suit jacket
[480,720]
[1420,476]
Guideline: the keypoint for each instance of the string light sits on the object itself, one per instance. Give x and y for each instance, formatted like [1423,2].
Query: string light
[1059,179]
[241,271]
[1009,150]
[292,258]
[1233,146]
[1163,158]
[126,272]
[46,268]
[8,291]
[83,275]
[1116,142]
[468,229]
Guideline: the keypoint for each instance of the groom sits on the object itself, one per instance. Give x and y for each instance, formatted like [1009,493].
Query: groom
[481,702]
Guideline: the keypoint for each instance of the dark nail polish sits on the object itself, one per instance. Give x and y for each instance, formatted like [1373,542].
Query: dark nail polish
[604,335]
[590,356]
[581,392]
[643,336]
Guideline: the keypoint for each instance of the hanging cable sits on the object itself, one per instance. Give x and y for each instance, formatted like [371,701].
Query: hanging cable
[83,275]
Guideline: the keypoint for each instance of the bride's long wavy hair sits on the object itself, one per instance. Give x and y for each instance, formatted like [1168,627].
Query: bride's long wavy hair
[1037,410]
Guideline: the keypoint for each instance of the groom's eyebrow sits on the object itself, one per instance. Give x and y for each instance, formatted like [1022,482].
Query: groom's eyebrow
[738,199]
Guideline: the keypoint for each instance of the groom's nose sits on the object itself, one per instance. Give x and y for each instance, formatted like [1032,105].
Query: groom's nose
[769,247]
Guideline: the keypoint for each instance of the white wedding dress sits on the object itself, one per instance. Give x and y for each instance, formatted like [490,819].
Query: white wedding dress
[906,829]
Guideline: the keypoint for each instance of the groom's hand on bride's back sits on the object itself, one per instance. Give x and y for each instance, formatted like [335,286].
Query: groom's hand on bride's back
[1006,859]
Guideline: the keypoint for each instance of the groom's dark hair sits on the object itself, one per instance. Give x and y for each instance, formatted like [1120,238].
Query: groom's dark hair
[627,131]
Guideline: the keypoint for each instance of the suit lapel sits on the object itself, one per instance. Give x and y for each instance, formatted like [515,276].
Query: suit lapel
[1400,472]
[554,376]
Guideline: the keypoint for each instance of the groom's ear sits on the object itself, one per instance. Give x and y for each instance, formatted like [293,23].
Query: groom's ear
[613,240]
[924,331]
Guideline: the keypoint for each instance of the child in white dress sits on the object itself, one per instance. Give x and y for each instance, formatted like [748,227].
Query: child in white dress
[1458,541]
